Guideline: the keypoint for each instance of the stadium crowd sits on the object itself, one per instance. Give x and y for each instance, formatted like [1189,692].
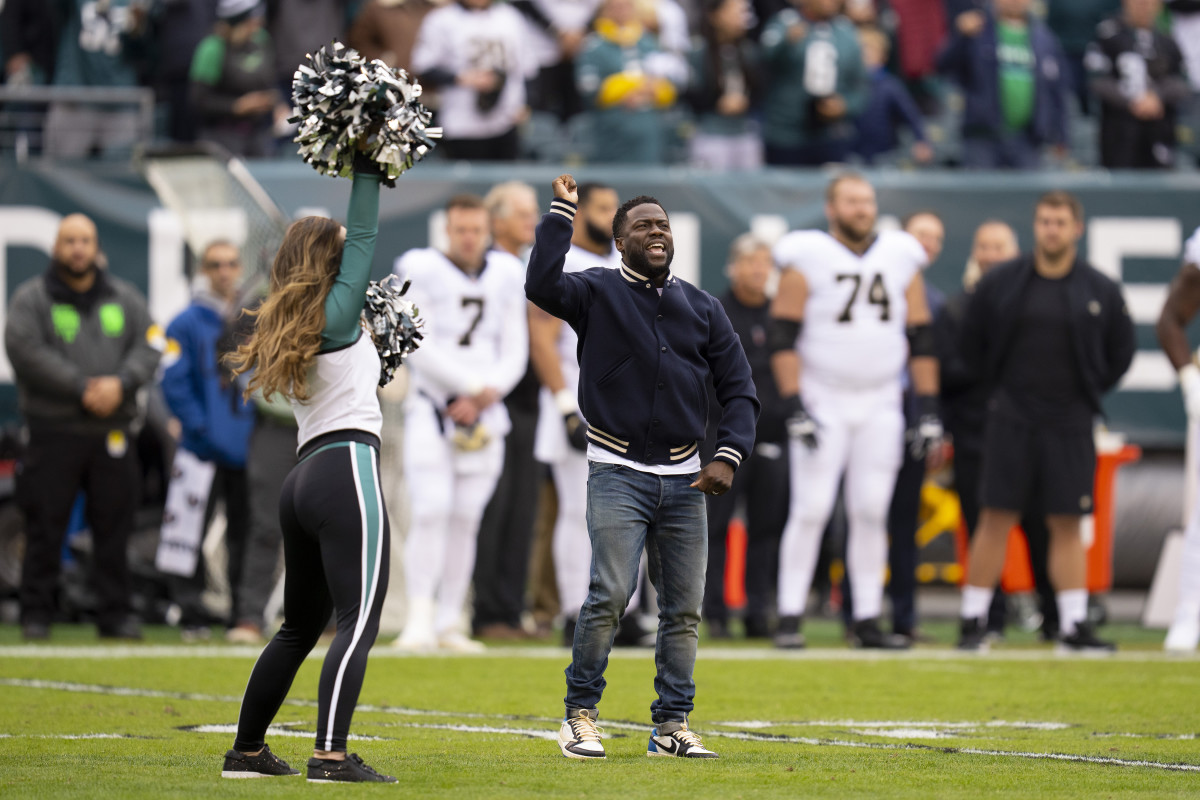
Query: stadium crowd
[723,84]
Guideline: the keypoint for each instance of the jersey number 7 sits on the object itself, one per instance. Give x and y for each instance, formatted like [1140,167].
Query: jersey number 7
[465,340]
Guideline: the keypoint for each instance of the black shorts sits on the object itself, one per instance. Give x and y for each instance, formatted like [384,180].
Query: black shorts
[1025,463]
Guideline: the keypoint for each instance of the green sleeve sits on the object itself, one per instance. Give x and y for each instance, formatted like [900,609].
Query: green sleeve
[344,303]
[206,63]
[855,92]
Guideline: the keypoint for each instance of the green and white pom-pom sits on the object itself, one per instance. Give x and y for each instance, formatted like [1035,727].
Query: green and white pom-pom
[394,323]
[342,100]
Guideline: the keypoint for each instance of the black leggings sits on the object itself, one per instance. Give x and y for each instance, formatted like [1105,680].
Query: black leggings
[336,550]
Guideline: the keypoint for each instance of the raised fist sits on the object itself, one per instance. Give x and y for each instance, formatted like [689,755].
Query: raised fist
[565,188]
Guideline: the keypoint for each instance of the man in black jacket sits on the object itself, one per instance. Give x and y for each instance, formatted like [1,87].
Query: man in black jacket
[1138,74]
[647,343]
[1049,335]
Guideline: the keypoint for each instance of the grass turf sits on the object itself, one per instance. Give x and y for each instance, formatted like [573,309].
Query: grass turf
[829,723]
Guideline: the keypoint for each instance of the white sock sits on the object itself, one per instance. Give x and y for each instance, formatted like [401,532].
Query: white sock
[1072,609]
[976,600]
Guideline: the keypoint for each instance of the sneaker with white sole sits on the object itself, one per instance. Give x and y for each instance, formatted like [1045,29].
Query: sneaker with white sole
[579,735]
[351,769]
[263,764]
[674,739]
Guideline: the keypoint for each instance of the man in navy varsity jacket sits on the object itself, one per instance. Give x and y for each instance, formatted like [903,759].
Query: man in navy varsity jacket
[647,342]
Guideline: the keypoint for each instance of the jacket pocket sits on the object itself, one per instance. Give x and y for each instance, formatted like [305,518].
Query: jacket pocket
[615,370]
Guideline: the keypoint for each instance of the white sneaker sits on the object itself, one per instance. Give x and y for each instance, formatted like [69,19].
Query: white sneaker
[1183,635]
[678,742]
[418,636]
[579,736]
[455,642]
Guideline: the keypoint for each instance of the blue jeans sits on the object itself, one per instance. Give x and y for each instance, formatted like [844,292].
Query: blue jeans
[627,511]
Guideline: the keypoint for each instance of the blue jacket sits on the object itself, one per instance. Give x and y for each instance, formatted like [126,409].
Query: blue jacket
[216,421]
[971,62]
[888,105]
[644,358]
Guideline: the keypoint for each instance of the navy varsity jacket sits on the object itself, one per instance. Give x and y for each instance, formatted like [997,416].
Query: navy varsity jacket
[643,357]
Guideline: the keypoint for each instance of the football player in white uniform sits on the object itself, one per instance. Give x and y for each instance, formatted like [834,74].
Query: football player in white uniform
[1183,301]
[562,433]
[475,348]
[846,301]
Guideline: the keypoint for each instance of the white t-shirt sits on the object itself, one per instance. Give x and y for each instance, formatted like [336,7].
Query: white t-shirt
[855,319]
[1191,250]
[476,330]
[342,387]
[455,39]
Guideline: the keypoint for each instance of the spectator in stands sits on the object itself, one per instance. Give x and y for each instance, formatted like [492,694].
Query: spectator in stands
[888,106]
[233,84]
[101,46]
[473,52]
[178,28]
[725,88]
[920,30]
[387,29]
[668,21]
[1185,25]
[506,531]
[626,79]
[1137,74]
[761,483]
[29,32]
[818,84]
[557,30]
[81,343]
[1074,23]
[300,27]
[1010,68]
[215,420]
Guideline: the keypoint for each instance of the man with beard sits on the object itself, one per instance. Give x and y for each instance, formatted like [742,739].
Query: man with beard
[81,344]
[852,311]
[1048,334]
[647,343]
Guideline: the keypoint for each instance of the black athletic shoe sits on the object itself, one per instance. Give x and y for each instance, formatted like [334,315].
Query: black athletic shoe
[264,765]
[1084,640]
[788,635]
[630,633]
[126,630]
[352,770]
[973,636]
[867,634]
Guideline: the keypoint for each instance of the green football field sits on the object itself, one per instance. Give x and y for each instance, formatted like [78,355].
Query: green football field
[82,719]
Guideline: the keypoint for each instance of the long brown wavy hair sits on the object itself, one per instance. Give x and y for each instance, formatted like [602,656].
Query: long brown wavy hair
[287,333]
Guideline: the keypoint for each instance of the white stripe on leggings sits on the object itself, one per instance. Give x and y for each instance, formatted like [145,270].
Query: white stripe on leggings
[364,608]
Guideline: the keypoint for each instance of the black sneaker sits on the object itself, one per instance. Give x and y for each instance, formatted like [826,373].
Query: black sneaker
[264,765]
[352,770]
[788,635]
[126,630]
[1084,640]
[973,636]
[867,634]
[630,633]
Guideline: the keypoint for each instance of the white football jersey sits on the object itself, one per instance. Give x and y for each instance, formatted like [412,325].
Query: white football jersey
[476,329]
[550,444]
[455,39]
[1191,250]
[855,318]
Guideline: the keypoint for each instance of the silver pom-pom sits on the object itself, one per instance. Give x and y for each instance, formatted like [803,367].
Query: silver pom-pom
[393,322]
[342,100]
